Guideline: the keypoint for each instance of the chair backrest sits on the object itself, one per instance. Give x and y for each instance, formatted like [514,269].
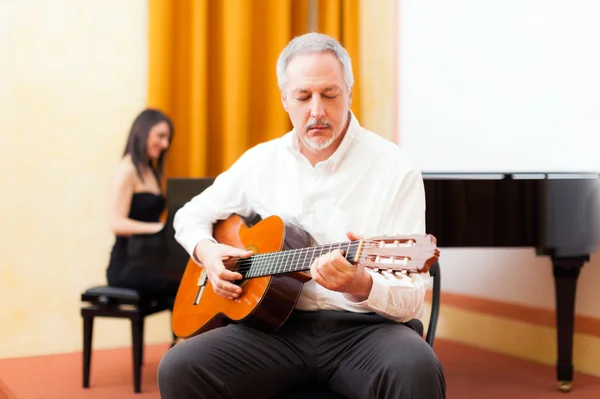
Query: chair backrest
[435,273]
[434,269]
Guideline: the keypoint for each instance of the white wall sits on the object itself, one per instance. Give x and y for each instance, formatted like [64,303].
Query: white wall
[73,78]
[500,85]
[483,86]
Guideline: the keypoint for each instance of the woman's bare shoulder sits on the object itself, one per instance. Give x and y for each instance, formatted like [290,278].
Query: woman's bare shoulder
[126,169]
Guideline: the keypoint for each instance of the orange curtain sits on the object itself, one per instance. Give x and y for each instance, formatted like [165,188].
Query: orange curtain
[212,69]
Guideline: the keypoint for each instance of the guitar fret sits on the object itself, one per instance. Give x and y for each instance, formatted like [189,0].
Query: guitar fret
[306,260]
[291,263]
[303,262]
[259,265]
[295,259]
[281,262]
[257,268]
[253,263]
[347,252]
[271,263]
[297,263]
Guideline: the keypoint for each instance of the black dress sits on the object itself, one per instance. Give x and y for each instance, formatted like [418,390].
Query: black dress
[138,261]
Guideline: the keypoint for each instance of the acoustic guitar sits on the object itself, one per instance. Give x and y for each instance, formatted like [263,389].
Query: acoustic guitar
[274,275]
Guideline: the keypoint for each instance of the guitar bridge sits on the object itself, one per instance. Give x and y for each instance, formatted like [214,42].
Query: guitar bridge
[201,285]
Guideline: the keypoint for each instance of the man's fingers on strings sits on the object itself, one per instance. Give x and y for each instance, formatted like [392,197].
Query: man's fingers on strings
[225,293]
[337,260]
[317,270]
[313,269]
[245,254]
[228,287]
[229,275]
[232,252]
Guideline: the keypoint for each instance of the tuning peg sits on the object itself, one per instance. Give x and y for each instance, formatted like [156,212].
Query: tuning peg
[388,274]
[401,274]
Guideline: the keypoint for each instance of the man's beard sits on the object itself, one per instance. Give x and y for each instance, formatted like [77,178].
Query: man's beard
[319,142]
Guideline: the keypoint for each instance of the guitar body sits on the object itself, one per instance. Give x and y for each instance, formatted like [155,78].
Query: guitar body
[265,303]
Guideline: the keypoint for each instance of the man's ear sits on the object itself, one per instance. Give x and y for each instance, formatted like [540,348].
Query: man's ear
[283,101]
[350,98]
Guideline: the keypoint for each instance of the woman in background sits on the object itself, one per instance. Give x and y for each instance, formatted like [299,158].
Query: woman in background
[136,204]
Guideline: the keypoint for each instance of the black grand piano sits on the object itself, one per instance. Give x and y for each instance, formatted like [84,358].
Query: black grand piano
[553,213]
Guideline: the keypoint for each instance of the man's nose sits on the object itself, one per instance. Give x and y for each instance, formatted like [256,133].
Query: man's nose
[317,110]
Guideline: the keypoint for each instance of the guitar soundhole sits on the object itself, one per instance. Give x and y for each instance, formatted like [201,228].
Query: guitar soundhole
[232,264]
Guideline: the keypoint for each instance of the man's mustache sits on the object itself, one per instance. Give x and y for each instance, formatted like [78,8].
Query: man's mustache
[319,122]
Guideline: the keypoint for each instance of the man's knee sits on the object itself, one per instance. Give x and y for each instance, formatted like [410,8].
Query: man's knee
[180,374]
[172,367]
[190,369]
[416,370]
[422,361]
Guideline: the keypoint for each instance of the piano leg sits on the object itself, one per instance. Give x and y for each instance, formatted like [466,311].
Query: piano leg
[566,273]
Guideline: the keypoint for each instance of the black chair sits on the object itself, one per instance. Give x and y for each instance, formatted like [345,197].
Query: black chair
[436,274]
[323,393]
[106,301]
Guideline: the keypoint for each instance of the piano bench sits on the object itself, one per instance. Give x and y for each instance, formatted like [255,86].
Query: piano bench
[107,301]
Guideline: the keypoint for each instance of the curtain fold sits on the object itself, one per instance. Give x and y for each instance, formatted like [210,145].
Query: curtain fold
[212,69]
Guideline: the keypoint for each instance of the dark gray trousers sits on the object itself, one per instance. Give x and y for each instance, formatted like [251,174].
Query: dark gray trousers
[358,356]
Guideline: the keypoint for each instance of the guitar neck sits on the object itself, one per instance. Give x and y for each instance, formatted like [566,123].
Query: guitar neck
[293,260]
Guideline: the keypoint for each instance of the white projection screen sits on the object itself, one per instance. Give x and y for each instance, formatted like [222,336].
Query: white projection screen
[500,85]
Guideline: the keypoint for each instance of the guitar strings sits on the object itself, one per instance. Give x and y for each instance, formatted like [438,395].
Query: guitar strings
[267,256]
[244,265]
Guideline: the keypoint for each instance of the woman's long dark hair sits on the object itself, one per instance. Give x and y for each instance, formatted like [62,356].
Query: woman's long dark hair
[138,141]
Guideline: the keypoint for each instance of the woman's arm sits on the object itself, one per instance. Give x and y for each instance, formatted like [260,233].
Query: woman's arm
[120,201]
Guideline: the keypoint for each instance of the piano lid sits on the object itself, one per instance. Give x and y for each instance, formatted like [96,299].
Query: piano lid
[510,176]
[556,213]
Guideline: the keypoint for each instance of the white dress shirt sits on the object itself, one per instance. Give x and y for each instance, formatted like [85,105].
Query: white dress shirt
[369,186]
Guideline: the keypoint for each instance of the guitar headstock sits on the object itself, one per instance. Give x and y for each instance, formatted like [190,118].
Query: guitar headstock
[414,253]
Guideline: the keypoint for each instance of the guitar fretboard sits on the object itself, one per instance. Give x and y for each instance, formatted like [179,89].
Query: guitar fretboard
[294,260]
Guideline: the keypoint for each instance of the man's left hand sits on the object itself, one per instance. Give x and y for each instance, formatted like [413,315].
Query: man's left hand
[335,273]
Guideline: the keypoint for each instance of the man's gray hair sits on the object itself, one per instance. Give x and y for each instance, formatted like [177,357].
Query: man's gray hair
[313,43]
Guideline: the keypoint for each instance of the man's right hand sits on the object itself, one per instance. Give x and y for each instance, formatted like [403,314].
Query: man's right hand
[212,255]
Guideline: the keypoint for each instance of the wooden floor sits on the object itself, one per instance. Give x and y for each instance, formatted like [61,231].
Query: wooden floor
[470,373]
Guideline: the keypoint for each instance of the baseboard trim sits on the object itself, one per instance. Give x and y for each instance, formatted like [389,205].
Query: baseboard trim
[515,330]
[543,317]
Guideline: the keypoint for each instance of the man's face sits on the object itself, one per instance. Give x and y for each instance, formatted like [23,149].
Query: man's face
[316,98]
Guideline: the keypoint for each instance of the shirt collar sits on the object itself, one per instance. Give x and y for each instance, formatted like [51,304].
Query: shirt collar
[293,143]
